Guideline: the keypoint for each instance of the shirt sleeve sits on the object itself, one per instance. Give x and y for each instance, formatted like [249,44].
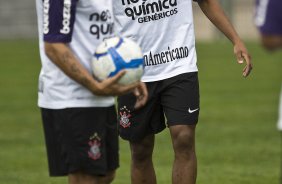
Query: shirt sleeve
[58,18]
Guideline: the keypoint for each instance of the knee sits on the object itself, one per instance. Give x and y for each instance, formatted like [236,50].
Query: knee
[184,144]
[271,43]
[184,141]
[141,155]
[109,177]
[80,177]
[268,46]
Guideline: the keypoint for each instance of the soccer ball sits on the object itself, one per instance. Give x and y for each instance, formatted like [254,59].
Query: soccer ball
[115,54]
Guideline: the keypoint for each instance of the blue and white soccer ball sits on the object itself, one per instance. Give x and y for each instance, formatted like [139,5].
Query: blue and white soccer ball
[115,54]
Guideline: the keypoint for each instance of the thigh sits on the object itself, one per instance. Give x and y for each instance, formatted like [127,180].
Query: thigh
[181,100]
[111,139]
[183,138]
[56,163]
[83,137]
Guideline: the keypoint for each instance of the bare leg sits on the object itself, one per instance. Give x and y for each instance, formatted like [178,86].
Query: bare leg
[272,42]
[82,178]
[185,161]
[142,169]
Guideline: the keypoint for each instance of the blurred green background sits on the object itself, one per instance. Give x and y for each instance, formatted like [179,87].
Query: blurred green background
[237,139]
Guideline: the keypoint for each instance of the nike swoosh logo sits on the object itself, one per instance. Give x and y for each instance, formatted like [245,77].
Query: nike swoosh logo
[191,111]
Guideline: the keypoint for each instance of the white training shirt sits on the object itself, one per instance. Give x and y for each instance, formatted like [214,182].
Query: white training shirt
[82,24]
[165,31]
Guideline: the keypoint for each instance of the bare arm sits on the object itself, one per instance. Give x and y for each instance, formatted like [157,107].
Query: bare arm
[216,15]
[62,56]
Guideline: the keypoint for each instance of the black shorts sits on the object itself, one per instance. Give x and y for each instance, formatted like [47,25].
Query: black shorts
[81,139]
[176,98]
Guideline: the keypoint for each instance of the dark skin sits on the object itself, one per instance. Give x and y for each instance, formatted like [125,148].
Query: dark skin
[183,136]
[271,42]
[216,15]
[61,55]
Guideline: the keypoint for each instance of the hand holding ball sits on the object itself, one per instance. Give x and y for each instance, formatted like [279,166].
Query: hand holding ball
[116,54]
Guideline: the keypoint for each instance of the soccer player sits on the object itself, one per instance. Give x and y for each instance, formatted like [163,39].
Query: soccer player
[268,19]
[79,117]
[165,31]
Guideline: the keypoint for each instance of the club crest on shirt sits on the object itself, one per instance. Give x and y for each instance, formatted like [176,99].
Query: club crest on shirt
[95,145]
[124,117]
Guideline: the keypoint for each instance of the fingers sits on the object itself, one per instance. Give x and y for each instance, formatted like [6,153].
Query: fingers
[110,86]
[136,92]
[143,89]
[118,89]
[141,94]
[133,85]
[139,104]
[248,68]
[239,57]
[114,79]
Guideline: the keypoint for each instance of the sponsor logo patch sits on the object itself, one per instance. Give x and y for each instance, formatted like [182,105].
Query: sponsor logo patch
[146,11]
[46,7]
[67,17]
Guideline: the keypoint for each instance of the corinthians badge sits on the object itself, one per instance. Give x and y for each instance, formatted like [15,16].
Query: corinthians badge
[95,144]
[124,117]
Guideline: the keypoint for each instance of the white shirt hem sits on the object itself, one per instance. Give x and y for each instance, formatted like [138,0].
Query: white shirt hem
[162,77]
[74,104]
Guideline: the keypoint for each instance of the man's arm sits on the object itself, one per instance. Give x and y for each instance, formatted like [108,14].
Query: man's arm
[216,15]
[62,56]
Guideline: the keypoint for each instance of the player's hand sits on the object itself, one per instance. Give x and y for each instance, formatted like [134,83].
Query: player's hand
[242,56]
[141,94]
[110,87]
